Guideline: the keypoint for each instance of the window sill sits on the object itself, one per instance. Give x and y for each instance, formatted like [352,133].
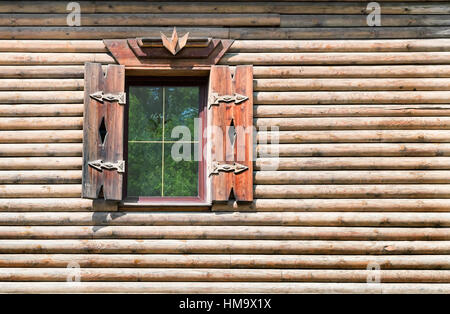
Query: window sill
[132,203]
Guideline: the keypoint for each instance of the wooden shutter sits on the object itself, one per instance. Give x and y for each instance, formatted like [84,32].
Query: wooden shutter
[104,102]
[230,102]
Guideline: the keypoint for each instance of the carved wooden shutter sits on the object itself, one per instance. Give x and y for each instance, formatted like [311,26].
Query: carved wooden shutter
[104,102]
[230,102]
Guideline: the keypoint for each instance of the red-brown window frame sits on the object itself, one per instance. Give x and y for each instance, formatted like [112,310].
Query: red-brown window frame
[202,83]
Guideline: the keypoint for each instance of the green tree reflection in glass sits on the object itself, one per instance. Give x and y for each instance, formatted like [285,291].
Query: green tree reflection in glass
[153,113]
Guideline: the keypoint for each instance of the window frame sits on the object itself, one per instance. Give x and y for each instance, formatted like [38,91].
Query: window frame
[203,197]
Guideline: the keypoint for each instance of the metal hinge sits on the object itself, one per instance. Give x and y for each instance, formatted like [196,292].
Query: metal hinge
[100,164]
[215,99]
[235,167]
[120,97]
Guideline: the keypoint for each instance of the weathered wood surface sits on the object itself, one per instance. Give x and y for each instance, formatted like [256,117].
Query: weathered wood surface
[255,7]
[362,136]
[334,58]
[259,205]
[48,97]
[349,84]
[360,149]
[45,123]
[54,204]
[353,177]
[307,7]
[59,149]
[362,115]
[220,275]
[293,71]
[332,219]
[385,97]
[35,190]
[353,123]
[264,46]
[353,191]
[249,33]
[221,287]
[41,136]
[353,163]
[143,19]
[227,261]
[300,111]
[226,246]
[226,233]
[41,110]
[47,177]
[40,163]
[338,205]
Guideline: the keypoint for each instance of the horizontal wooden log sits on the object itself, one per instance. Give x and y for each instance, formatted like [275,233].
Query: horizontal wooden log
[55,204]
[301,111]
[60,149]
[61,97]
[356,163]
[335,58]
[387,45]
[42,71]
[10,58]
[353,123]
[362,136]
[41,123]
[337,205]
[100,32]
[391,97]
[226,246]
[334,20]
[138,19]
[173,218]
[45,177]
[40,136]
[230,7]
[226,261]
[220,275]
[353,191]
[353,150]
[242,33]
[225,233]
[379,32]
[222,287]
[34,190]
[49,45]
[41,110]
[350,84]
[402,71]
[353,177]
[41,84]
[36,163]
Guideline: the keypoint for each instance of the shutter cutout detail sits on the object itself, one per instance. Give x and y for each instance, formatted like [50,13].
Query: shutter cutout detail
[103,164]
[230,104]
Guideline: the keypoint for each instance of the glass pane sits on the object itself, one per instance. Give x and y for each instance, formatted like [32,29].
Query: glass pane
[180,177]
[145,113]
[144,169]
[181,108]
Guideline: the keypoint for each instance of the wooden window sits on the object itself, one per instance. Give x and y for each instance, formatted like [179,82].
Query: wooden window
[166,122]
[131,136]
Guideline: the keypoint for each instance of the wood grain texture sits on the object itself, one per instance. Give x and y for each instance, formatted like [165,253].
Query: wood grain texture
[111,114]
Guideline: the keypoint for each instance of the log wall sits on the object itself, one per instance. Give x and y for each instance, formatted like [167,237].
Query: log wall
[364,143]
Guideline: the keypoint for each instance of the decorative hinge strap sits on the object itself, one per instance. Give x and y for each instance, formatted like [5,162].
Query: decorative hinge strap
[120,97]
[100,164]
[215,99]
[235,167]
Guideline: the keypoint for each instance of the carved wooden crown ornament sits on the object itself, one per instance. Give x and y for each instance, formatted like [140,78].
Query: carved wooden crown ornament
[163,52]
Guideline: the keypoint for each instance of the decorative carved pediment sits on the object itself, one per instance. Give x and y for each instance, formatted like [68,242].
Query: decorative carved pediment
[167,53]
